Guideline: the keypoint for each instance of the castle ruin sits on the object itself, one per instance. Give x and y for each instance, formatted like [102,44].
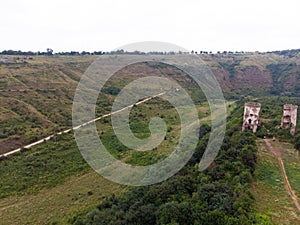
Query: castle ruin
[251,116]
[289,117]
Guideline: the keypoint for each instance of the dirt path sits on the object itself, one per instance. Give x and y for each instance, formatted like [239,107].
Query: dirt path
[287,184]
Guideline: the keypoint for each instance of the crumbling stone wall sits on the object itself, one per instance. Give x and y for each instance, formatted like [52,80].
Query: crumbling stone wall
[251,116]
[289,117]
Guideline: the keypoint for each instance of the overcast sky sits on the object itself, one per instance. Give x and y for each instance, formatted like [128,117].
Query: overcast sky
[210,25]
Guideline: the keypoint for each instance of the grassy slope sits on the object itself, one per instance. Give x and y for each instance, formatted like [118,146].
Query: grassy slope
[53,171]
[256,73]
[291,160]
[269,192]
[53,177]
[48,183]
[36,97]
[57,204]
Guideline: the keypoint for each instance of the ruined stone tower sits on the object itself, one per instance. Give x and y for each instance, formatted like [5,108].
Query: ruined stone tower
[289,117]
[251,116]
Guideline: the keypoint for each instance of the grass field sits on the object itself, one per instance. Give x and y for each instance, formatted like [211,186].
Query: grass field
[51,181]
[269,192]
[43,166]
[291,160]
[57,204]
[36,96]
[48,183]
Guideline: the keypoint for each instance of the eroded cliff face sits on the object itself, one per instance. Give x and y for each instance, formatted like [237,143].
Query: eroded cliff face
[270,72]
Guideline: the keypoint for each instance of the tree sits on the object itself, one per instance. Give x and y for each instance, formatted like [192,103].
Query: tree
[49,51]
[174,213]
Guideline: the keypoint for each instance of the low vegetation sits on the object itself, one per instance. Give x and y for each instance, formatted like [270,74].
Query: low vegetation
[268,189]
[44,166]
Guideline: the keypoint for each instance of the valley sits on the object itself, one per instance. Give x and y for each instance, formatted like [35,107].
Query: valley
[51,183]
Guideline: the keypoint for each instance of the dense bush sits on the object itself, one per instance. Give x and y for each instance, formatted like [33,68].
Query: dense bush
[297,141]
